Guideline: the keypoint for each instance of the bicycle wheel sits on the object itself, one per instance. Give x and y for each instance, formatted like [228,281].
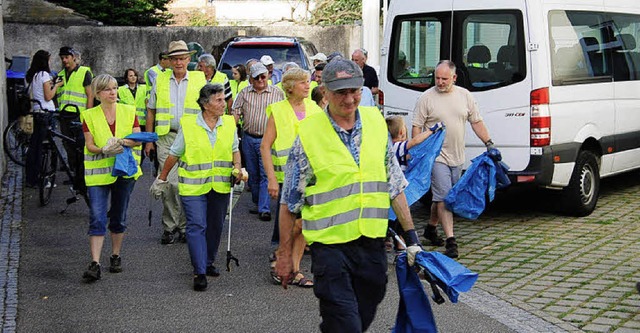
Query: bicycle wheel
[47,174]
[16,143]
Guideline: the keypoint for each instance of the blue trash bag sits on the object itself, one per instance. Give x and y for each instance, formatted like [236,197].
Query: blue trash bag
[467,197]
[502,180]
[419,167]
[414,312]
[125,164]
[451,276]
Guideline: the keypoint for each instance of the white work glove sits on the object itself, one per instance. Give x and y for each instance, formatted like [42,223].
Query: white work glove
[113,147]
[158,187]
[413,246]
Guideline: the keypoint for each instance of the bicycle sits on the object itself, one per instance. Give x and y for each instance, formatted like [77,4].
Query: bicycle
[16,141]
[52,154]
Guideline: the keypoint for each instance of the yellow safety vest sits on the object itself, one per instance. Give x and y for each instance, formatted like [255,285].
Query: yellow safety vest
[155,69]
[196,81]
[98,167]
[202,168]
[72,92]
[124,93]
[312,85]
[347,201]
[218,77]
[287,128]
[236,87]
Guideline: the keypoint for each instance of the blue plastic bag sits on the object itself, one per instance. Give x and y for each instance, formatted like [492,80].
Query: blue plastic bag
[419,167]
[467,197]
[126,164]
[414,312]
[451,276]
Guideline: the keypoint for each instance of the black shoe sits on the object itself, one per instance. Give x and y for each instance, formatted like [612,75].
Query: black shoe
[431,235]
[265,216]
[181,237]
[199,282]
[67,182]
[451,248]
[92,273]
[167,238]
[253,210]
[213,271]
[116,264]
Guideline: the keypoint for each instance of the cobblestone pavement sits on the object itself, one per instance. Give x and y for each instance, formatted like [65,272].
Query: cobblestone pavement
[11,210]
[578,273]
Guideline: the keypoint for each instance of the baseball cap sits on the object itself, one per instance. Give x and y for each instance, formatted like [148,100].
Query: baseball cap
[319,56]
[342,74]
[334,55]
[66,51]
[257,69]
[266,60]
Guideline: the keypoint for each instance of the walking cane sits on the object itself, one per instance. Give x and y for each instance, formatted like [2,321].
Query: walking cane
[154,160]
[230,256]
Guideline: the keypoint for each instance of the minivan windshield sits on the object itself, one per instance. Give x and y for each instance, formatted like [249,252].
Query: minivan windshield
[488,48]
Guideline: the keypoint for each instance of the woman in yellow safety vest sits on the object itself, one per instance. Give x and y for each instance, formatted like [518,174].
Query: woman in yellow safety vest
[240,81]
[105,127]
[281,131]
[132,93]
[206,150]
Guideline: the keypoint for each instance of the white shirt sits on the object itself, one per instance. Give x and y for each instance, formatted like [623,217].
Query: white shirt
[37,91]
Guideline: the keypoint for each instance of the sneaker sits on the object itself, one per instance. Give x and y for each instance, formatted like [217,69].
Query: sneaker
[181,237]
[116,264]
[48,185]
[93,272]
[253,210]
[265,216]
[451,248]
[199,282]
[167,238]
[431,235]
[213,271]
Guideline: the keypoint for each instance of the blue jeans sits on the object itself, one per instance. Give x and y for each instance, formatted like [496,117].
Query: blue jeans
[350,281]
[99,200]
[257,177]
[205,220]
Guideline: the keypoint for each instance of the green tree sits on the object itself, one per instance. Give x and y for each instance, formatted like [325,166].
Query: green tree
[336,12]
[122,12]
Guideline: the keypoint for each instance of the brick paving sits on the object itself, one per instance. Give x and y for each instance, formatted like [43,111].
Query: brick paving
[578,273]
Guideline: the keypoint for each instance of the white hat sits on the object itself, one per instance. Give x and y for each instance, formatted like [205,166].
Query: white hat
[319,56]
[266,60]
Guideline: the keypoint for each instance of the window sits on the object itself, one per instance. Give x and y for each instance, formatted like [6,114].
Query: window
[625,51]
[417,50]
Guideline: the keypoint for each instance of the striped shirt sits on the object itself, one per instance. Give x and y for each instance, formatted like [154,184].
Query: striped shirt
[227,88]
[252,106]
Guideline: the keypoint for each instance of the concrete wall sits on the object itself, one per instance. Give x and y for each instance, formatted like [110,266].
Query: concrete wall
[3,93]
[112,49]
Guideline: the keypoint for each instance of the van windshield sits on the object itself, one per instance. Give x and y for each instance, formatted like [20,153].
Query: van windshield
[488,48]
[280,55]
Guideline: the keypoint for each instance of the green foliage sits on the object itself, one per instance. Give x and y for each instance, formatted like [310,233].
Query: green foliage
[199,19]
[336,12]
[122,12]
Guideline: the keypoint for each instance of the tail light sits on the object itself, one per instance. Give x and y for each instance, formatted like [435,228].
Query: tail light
[540,128]
[381,100]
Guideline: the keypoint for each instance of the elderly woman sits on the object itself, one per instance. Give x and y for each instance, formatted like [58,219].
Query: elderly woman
[207,149]
[105,127]
[207,64]
[281,131]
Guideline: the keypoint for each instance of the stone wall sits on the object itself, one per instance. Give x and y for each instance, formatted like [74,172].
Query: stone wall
[112,49]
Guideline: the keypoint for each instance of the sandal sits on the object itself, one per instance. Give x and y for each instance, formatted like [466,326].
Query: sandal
[272,263]
[301,281]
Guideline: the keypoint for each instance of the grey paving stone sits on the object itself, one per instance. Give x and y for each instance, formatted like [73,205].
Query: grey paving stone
[597,328]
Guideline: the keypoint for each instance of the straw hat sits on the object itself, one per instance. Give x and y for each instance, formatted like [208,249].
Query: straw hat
[177,48]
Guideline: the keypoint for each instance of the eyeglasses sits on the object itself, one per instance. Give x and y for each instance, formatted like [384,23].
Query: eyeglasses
[179,58]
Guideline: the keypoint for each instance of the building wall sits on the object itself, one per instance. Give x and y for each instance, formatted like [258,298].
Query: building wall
[3,100]
[112,49]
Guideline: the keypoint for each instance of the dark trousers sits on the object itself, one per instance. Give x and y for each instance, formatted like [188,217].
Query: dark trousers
[350,281]
[34,154]
[67,129]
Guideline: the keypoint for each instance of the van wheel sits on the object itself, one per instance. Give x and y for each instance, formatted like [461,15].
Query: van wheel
[581,196]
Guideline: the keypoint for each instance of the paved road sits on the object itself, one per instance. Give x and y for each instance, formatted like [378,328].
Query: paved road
[539,272]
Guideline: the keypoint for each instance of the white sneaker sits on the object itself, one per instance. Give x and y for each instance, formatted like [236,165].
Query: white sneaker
[49,185]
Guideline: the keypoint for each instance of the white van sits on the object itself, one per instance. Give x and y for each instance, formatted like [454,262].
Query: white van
[557,82]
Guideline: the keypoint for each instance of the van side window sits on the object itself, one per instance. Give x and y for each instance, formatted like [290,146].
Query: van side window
[589,47]
[492,49]
[417,49]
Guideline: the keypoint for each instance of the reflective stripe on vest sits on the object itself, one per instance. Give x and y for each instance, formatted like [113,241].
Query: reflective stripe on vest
[98,167]
[202,168]
[72,92]
[195,82]
[286,128]
[348,200]
[124,93]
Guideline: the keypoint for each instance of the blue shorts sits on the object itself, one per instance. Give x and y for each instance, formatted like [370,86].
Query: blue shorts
[443,177]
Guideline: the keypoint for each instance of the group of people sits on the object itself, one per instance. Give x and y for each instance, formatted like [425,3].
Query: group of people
[333,163]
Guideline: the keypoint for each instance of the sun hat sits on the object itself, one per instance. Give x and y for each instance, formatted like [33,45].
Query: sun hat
[257,69]
[178,47]
[319,56]
[341,73]
[266,60]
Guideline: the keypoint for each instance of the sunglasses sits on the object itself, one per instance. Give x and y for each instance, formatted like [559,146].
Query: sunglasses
[261,77]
